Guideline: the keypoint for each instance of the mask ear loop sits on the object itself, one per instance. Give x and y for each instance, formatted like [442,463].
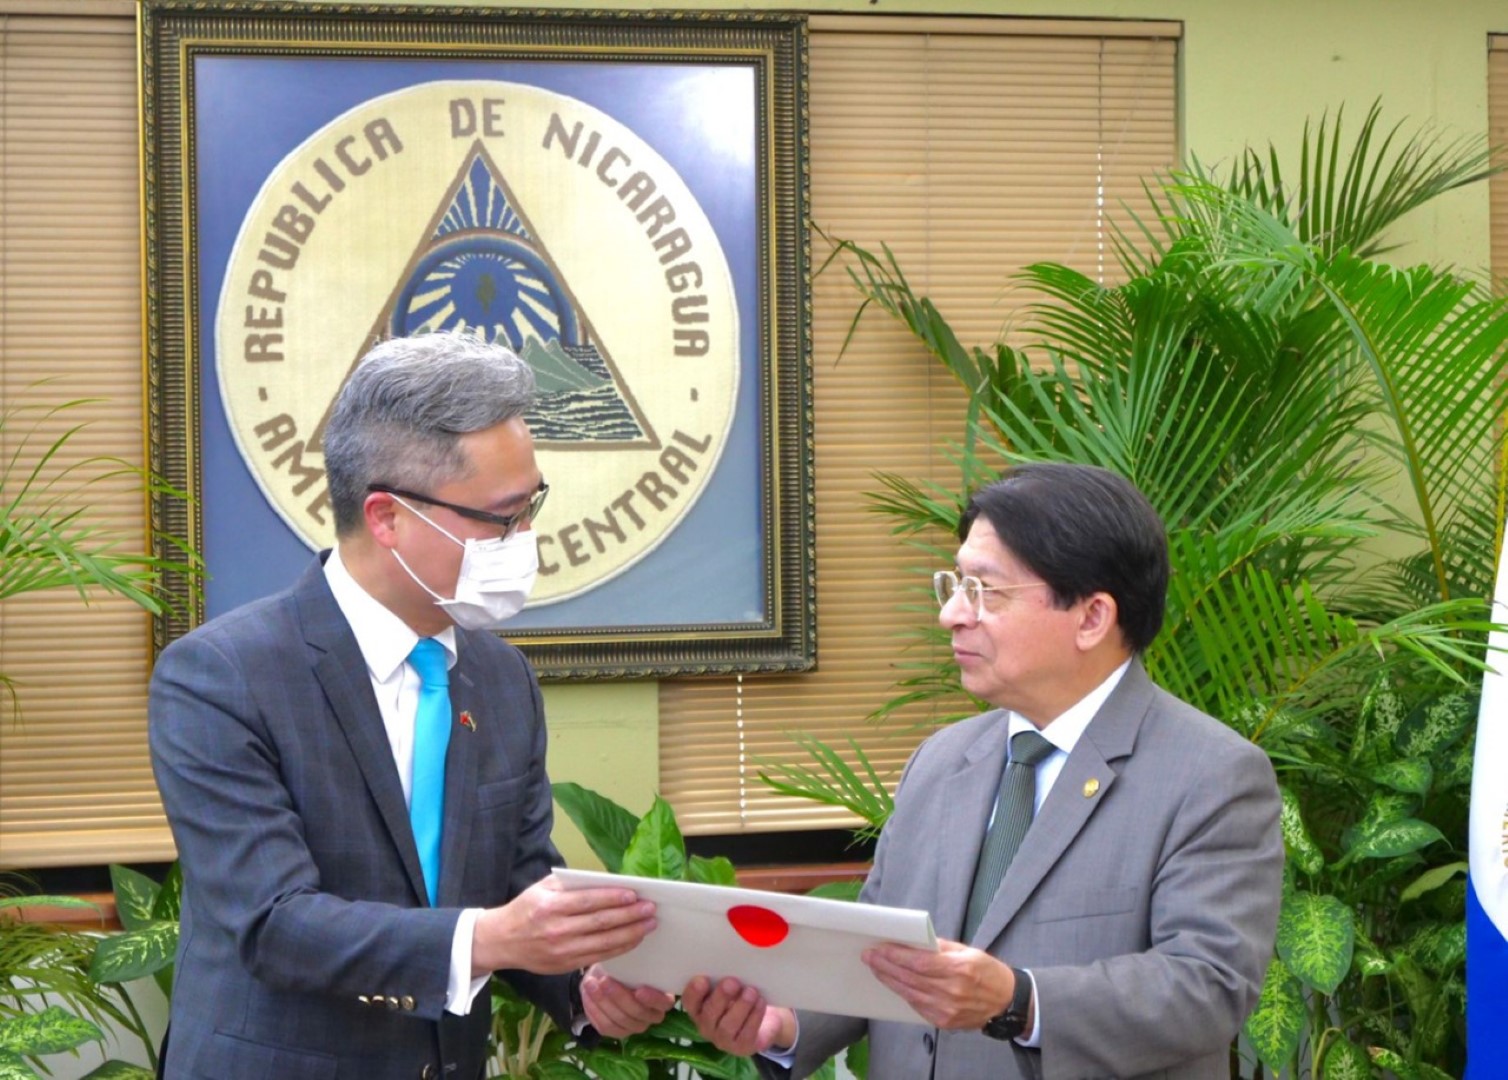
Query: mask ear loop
[408,569]
[426,519]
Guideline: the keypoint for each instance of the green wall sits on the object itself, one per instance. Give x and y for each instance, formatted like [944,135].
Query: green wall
[1253,70]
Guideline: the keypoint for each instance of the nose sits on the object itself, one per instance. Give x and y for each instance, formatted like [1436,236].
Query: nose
[955,611]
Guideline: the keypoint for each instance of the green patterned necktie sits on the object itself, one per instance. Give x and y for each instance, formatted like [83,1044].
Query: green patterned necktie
[1013,816]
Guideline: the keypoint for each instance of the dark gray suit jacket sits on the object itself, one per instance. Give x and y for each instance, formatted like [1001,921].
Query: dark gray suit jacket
[1144,898]
[308,947]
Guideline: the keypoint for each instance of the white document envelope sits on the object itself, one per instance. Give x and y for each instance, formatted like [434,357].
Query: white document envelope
[816,965]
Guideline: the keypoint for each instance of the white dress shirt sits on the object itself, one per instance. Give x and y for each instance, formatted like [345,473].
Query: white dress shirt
[385,642]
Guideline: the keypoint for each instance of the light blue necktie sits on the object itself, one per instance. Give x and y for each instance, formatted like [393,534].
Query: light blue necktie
[426,804]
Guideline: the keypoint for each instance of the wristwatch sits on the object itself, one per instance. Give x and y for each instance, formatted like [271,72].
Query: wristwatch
[1012,1022]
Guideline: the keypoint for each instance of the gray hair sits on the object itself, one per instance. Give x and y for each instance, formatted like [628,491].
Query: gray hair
[399,418]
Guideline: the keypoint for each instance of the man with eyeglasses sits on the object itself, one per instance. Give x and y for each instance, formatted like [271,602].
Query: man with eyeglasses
[354,769]
[1102,861]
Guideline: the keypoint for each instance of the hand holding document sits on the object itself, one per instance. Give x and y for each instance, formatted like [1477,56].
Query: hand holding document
[798,951]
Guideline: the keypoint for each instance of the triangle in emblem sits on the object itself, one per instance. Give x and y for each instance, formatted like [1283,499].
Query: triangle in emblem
[482,268]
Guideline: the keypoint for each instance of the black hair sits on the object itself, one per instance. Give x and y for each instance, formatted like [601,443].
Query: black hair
[1082,530]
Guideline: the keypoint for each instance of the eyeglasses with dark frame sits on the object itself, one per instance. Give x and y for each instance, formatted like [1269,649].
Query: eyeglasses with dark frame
[948,584]
[506,522]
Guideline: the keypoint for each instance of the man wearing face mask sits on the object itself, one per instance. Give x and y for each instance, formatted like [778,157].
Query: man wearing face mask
[354,768]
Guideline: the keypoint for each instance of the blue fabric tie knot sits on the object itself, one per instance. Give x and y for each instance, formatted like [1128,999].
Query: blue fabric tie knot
[426,804]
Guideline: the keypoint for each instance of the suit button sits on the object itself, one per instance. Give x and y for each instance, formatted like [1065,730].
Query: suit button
[429,1072]
[363,999]
[408,1002]
[392,1003]
[378,999]
[929,1042]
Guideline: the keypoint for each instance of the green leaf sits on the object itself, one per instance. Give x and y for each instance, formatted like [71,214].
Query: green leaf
[700,1055]
[1430,880]
[51,1031]
[1392,1061]
[607,827]
[676,1025]
[557,1070]
[1302,849]
[1410,775]
[1439,947]
[119,1070]
[12,1067]
[1435,725]
[135,894]
[169,902]
[71,902]
[828,1070]
[1382,808]
[1315,938]
[714,871]
[657,850]
[609,1065]
[1382,713]
[1369,962]
[1344,1060]
[1274,1027]
[1385,840]
[838,890]
[134,954]
[857,1058]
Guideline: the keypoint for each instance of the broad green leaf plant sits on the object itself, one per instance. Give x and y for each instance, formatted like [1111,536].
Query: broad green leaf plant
[1322,433]
[49,1004]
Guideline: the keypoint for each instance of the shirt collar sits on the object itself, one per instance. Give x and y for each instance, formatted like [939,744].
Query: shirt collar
[384,639]
[1064,732]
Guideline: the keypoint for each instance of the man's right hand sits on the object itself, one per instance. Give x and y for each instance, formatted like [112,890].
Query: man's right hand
[549,930]
[735,1017]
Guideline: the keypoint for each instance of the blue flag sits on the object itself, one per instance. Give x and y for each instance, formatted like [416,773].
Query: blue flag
[1487,897]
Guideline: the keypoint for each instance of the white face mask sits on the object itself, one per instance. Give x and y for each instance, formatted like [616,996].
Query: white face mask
[494,581]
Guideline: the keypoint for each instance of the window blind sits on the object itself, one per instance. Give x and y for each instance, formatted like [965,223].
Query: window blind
[972,148]
[75,780]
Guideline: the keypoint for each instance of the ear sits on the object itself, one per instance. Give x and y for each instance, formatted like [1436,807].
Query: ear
[381,513]
[1098,621]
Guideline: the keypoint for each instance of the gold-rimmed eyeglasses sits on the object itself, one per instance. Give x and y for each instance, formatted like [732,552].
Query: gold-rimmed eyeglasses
[947,584]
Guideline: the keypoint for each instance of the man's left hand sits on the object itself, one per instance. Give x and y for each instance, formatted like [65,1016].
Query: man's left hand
[956,987]
[615,1010]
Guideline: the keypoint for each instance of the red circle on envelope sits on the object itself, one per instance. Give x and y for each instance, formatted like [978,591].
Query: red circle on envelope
[759,926]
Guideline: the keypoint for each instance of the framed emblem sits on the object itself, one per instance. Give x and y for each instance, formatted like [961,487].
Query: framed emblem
[618,197]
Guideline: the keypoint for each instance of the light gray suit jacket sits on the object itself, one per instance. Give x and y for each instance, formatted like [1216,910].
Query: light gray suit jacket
[1144,899]
[308,948]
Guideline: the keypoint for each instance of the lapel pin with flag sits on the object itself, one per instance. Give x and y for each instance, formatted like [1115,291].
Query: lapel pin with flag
[466,721]
[1487,896]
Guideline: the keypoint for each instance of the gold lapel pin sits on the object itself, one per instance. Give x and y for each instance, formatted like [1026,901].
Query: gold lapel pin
[1091,788]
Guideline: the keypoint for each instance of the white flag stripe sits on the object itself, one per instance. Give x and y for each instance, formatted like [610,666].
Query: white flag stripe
[1488,841]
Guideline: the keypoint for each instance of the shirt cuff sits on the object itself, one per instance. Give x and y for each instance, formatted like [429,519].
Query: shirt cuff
[463,989]
[1033,1038]
[785,1058]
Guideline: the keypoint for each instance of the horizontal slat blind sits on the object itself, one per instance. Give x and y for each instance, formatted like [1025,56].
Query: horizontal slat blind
[75,781]
[971,154]
[1497,135]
